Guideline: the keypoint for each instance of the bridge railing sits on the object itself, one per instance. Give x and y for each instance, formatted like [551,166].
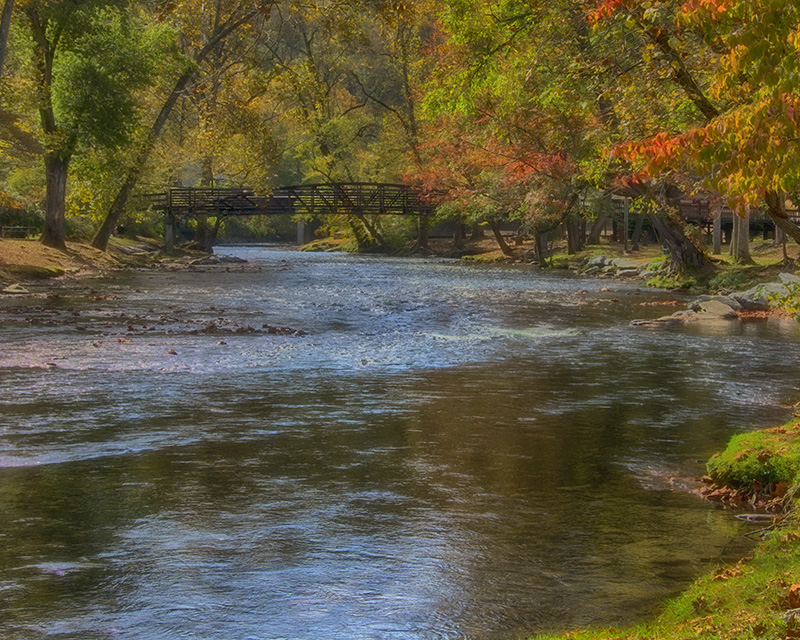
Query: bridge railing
[314,199]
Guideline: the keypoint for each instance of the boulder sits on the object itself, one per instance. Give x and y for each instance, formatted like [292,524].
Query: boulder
[717,309]
[624,263]
[763,292]
[789,279]
[597,261]
[663,320]
[591,271]
[697,304]
[231,259]
[15,289]
[748,303]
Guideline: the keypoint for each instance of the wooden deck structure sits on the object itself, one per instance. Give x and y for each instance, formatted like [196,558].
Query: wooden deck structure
[362,198]
[358,198]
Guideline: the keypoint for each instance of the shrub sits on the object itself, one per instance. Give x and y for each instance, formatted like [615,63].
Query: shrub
[729,280]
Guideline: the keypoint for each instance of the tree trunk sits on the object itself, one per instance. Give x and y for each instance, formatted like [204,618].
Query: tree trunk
[5,26]
[498,235]
[101,238]
[477,232]
[776,208]
[360,232]
[625,224]
[637,232]
[540,240]
[574,244]
[740,240]
[458,235]
[682,253]
[203,236]
[422,233]
[597,229]
[373,231]
[54,201]
[716,233]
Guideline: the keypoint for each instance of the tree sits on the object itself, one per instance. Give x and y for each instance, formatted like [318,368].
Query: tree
[89,60]
[5,26]
[745,146]
[201,41]
[505,90]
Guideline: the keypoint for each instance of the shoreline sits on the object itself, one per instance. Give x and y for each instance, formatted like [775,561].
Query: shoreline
[759,596]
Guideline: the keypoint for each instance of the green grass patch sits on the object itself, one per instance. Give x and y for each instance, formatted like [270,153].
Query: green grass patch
[32,272]
[560,262]
[767,457]
[673,281]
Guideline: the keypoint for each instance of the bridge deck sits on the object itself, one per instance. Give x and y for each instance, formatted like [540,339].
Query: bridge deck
[360,198]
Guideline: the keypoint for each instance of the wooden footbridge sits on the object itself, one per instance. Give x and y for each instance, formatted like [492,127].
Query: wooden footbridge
[357,198]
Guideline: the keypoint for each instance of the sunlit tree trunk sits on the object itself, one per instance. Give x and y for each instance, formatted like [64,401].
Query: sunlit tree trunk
[54,202]
[740,239]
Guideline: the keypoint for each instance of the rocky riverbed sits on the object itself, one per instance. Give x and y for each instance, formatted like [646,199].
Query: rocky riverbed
[759,301]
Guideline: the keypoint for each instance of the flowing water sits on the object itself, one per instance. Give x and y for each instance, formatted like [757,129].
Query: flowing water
[450,451]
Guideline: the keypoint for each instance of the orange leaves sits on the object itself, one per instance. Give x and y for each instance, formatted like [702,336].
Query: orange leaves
[710,8]
[792,598]
[657,155]
[608,8]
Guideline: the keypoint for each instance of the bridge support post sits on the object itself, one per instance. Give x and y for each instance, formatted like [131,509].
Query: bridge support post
[169,232]
[306,230]
[716,230]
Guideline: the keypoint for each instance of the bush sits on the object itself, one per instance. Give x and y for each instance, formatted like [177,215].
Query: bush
[79,228]
[729,280]
[24,217]
[560,262]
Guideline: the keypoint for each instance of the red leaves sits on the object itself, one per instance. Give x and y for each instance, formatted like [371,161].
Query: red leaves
[608,8]
[711,8]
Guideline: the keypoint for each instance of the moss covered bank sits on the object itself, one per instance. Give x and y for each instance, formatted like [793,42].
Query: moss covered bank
[759,597]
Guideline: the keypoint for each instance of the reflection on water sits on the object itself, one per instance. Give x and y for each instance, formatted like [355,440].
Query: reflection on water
[450,452]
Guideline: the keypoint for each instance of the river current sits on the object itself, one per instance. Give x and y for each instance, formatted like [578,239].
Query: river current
[449,451]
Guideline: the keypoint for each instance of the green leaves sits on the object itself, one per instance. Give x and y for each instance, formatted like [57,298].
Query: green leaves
[97,74]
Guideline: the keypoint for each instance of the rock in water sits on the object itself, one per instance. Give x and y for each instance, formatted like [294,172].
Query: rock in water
[15,289]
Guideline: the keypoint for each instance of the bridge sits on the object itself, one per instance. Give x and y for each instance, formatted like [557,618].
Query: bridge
[356,198]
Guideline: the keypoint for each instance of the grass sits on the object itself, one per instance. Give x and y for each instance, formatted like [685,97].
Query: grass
[757,598]
[768,457]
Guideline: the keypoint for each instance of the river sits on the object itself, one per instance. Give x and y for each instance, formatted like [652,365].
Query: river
[449,451]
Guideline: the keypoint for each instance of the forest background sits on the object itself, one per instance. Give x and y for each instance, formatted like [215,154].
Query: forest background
[499,110]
